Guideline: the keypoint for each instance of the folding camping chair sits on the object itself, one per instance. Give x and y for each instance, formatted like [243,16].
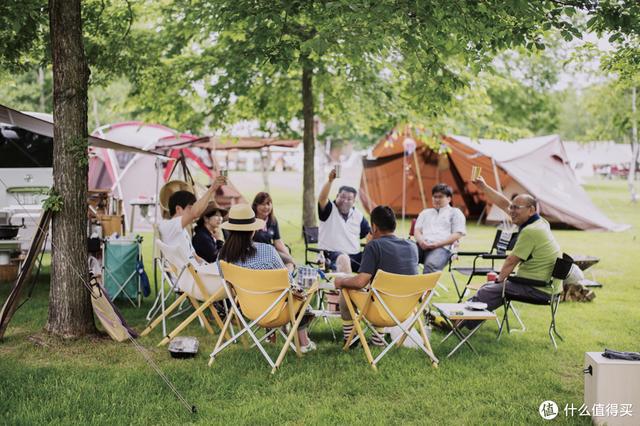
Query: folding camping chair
[560,272]
[504,241]
[121,257]
[262,299]
[392,301]
[196,285]
[310,236]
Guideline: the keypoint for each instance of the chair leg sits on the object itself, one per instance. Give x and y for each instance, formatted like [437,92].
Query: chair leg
[358,329]
[516,314]
[505,319]
[166,313]
[293,333]
[187,321]
[203,319]
[552,327]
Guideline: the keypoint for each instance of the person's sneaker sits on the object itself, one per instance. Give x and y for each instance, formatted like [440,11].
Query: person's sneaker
[311,346]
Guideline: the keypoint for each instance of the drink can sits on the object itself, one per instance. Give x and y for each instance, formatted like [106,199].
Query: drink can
[338,169]
[224,173]
[492,276]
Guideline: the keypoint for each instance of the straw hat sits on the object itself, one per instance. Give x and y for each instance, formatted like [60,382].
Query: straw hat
[242,218]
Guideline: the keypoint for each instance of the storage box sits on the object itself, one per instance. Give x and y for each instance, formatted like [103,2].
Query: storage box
[9,272]
[611,390]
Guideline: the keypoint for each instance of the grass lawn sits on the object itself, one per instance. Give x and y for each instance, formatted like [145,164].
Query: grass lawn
[98,381]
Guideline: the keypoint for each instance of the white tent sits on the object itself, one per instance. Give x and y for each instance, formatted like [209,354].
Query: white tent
[540,166]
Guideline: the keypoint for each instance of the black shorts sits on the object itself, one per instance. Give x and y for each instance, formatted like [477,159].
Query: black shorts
[332,256]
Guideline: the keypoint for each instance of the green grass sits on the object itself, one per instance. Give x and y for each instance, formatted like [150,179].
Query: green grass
[99,381]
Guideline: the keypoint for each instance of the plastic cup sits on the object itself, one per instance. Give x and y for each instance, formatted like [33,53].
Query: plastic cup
[475,172]
[224,173]
[338,169]
[492,276]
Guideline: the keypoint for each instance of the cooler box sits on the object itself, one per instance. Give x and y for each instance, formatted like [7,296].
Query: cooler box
[612,383]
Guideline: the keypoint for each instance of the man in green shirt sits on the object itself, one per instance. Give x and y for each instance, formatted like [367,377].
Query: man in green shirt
[534,254]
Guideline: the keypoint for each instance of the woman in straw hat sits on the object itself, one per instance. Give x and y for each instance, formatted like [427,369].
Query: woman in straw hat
[207,235]
[240,249]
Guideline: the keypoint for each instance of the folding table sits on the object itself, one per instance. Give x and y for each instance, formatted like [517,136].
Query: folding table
[459,313]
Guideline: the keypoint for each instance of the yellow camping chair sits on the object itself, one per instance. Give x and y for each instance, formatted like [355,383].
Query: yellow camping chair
[262,299]
[392,301]
[197,286]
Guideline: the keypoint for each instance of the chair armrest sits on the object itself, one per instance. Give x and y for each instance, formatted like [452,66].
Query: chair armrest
[471,253]
[493,256]
[313,249]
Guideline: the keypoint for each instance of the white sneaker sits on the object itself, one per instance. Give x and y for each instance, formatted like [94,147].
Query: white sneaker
[311,346]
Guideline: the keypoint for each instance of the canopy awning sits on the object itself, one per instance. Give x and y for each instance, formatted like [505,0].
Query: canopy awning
[41,126]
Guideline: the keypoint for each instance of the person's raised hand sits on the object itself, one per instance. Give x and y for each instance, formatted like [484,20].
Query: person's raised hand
[332,175]
[220,181]
[479,181]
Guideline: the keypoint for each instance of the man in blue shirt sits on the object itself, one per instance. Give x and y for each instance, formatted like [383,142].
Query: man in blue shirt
[384,252]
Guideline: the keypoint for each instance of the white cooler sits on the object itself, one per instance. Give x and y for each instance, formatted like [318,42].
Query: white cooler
[610,385]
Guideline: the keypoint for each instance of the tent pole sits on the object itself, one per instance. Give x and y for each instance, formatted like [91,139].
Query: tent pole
[420,184]
[404,192]
[155,224]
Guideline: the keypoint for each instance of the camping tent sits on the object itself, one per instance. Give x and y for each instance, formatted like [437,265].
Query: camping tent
[538,166]
[138,177]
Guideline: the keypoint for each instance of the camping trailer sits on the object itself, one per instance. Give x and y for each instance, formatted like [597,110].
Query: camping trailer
[26,174]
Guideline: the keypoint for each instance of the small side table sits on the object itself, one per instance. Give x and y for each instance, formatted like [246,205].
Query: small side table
[460,313]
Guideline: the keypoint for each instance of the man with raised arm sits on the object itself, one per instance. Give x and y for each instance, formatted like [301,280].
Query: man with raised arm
[534,254]
[342,226]
[184,209]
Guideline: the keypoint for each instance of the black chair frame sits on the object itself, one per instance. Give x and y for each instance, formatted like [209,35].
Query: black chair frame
[560,271]
[497,252]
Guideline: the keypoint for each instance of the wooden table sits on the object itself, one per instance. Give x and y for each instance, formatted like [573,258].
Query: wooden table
[459,313]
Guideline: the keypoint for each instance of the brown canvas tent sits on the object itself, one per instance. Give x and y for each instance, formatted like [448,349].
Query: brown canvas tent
[538,166]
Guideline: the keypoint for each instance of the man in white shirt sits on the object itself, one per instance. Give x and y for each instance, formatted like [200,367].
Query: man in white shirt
[342,226]
[184,209]
[437,229]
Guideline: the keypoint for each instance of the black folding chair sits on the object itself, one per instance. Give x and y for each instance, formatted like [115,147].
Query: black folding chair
[504,241]
[560,272]
[310,236]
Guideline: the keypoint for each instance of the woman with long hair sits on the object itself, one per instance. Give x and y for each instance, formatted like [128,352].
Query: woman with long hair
[241,249]
[263,208]
[207,236]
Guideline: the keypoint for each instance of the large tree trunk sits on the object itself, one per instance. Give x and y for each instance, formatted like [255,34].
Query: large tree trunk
[70,313]
[308,140]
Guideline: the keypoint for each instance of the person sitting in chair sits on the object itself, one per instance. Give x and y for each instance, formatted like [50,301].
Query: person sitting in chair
[534,254]
[240,249]
[207,235]
[342,226]
[184,209]
[384,252]
[263,208]
[437,229]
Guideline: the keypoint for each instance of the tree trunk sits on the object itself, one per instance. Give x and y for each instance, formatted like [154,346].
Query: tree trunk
[631,177]
[70,313]
[308,141]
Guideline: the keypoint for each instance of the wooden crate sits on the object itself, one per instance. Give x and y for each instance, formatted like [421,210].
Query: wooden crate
[9,273]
